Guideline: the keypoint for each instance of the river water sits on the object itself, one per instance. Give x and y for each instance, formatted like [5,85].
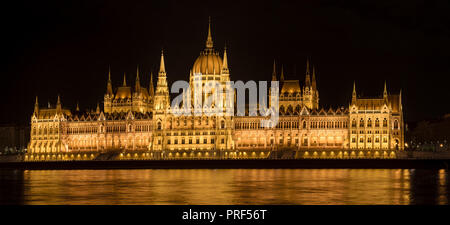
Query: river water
[225,186]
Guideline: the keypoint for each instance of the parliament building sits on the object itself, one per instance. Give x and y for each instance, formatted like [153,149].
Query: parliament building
[136,123]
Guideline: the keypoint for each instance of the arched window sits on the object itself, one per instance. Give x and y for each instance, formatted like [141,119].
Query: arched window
[377,122]
[369,123]
[222,124]
[282,109]
[304,124]
[159,125]
[361,123]
[384,122]
[354,123]
[396,124]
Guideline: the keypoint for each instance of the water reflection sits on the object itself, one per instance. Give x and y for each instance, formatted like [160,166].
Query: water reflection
[242,186]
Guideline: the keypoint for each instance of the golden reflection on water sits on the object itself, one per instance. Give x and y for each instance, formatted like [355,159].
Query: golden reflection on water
[234,186]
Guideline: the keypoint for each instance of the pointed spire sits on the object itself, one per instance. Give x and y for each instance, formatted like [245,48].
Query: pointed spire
[124,84]
[282,74]
[307,76]
[58,103]
[209,41]
[98,108]
[274,72]
[225,58]
[151,87]
[314,78]
[78,107]
[162,66]
[354,92]
[138,84]
[36,105]
[307,66]
[385,94]
[109,90]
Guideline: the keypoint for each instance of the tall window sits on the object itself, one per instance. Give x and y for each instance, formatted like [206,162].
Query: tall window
[384,122]
[377,122]
[396,124]
[361,123]
[159,125]
[353,123]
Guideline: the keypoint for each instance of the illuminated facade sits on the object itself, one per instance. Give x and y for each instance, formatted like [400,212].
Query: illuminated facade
[137,123]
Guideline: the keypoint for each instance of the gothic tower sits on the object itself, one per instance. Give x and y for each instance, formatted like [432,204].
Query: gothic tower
[109,96]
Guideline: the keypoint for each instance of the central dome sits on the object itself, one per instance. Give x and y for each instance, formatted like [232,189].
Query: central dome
[208,63]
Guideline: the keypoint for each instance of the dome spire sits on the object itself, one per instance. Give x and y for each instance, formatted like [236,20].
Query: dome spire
[209,41]
[124,84]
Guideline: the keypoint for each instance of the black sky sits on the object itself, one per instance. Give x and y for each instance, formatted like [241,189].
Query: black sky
[64,47]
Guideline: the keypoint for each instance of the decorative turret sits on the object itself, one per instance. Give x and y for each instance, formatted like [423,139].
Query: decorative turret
[98,108]
[109,89]
[137,87]
[151,88]
[315,92]
[162,91]
[225,62]
[354,93]
[58,104]
[274,72]
[310,93]
[307,76]
[162,66]
[36,106]
[313,85]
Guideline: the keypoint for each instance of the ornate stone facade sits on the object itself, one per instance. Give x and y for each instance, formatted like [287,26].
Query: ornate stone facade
[137,123]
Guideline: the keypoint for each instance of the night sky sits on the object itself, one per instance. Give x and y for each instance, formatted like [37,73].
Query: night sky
[63,47]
